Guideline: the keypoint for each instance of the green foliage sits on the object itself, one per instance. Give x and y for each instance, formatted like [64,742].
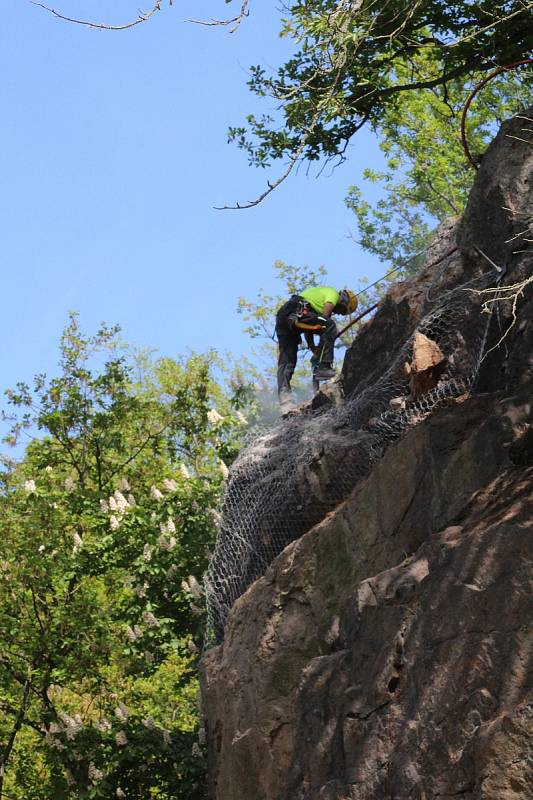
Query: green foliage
[106,526]
[427,178]
[355,62]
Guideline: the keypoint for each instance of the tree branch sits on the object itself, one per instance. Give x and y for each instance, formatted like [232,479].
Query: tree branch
[144,16]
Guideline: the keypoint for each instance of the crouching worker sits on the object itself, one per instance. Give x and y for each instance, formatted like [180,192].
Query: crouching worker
[309,313]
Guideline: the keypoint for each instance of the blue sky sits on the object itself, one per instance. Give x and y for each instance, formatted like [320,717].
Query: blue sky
[113,153]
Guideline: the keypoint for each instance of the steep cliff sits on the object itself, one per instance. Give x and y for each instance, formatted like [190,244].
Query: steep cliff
[384,652]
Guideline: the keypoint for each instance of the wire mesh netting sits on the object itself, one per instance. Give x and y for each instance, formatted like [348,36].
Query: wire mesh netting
[287,479]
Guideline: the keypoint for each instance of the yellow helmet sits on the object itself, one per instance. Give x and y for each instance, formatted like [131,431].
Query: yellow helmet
[348,299]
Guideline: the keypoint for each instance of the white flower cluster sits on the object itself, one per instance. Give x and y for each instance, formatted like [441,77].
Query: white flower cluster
[94,774]
[191,586]
[103,725]
[168,526]
[121,739]
[117,504]
[155,494]
[69,484]
[184,472]
[166,541]
[213,416]
[29,486]
[122,712]
[150,620]
[149,722]
[78,542]
[171,571]
[134,633]
[119,793]
[170,485]
[147,552]
[140,589]
[73,725]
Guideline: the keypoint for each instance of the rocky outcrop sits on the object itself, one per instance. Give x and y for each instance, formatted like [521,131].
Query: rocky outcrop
[384,653]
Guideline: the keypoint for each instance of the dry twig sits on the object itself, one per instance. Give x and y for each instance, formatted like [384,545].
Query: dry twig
[144,16]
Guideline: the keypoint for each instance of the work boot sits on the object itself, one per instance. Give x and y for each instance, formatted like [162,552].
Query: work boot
[323,372]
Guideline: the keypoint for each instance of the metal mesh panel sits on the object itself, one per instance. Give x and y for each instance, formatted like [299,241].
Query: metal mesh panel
[288,478]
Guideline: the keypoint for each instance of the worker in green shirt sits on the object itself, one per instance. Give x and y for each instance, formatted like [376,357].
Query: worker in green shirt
[309,312]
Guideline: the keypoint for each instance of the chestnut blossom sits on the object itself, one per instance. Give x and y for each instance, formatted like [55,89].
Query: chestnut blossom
[120,500]
[155,494]
[94,774]
[124,485]
[147,552]
[69,484]
[213,416]
[168,526]
[78,542]
[122,712]
[103,725]
[119,793]
[29,486]
[170,485]
[73,725]
[104,508]
[121,739]
[150,620]
[114,522]
[167,543]
[184,472]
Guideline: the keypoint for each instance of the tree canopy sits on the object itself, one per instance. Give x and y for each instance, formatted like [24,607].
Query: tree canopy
[107,522]
[356,59]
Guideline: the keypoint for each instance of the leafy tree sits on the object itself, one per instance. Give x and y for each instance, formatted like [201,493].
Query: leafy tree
[355,62]
[106,525]
[427,178]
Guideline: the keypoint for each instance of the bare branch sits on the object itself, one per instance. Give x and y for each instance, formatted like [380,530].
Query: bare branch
[234,22]
[144,16]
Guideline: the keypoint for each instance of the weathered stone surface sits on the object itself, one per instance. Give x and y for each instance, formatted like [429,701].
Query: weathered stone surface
[386,654]
[335,684]
[426,367]
[496,221]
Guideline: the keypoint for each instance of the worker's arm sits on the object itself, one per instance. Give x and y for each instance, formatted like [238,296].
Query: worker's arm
[328,310]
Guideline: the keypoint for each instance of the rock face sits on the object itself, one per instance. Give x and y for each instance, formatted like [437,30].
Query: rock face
[386,654]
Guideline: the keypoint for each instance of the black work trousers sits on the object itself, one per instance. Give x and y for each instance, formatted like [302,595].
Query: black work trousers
[292,318]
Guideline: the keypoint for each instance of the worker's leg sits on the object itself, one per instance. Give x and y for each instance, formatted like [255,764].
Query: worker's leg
[326,353]
[287,358]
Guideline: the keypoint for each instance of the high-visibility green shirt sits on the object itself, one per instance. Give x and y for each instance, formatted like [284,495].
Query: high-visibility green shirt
[316,296]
